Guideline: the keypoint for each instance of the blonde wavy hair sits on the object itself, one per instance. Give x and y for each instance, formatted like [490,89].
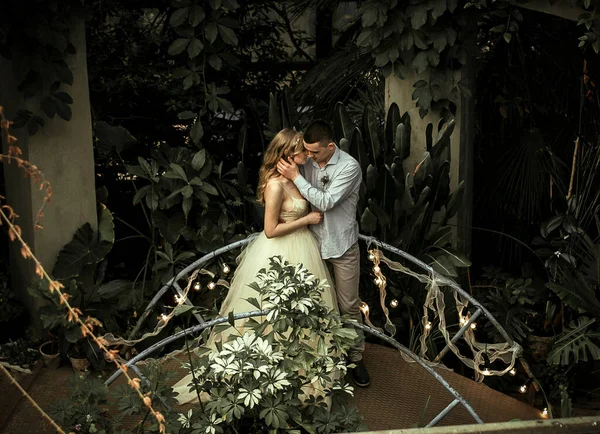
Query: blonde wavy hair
[287,143]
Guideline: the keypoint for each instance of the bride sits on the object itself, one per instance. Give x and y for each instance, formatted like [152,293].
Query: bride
[286,233]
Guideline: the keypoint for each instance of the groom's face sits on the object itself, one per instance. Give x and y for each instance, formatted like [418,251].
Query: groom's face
[319,153]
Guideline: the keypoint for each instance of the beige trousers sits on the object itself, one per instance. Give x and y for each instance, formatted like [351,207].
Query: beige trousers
[346,271]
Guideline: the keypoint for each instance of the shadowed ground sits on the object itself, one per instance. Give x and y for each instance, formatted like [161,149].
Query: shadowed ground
[396,397]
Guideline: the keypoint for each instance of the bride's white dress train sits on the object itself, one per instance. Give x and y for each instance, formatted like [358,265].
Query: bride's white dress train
[300,246]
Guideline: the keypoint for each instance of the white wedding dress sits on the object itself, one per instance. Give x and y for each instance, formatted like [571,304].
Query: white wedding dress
[300,246]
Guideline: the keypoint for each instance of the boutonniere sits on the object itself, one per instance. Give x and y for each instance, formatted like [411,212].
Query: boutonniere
[325,180]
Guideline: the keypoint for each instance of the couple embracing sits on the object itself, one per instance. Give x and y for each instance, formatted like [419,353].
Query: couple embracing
[300,172]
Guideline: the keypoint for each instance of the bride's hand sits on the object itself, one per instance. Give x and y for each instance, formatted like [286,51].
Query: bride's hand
[314,218]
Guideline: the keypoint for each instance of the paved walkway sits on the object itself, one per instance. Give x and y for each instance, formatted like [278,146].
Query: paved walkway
[396,398]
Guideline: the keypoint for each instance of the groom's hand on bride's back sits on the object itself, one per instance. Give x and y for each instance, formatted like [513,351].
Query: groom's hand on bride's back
[288,169]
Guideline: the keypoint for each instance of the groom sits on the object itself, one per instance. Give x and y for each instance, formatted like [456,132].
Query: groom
[331,183]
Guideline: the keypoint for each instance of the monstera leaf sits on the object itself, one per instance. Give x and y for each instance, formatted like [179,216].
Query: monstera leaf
[576,340]
[87,247]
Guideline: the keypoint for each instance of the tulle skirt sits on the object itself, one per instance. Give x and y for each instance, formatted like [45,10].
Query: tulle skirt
[300,246]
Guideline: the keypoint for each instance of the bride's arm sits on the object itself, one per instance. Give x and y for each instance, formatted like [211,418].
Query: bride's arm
[273,227]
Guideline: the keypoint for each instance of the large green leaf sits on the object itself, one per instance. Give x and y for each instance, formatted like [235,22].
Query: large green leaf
[391,125]
[275,123]
[402,142]
[442,265]
[371,132]
[87,247]
[170,228]
[288,107]
[114,288]
[109,138]
[575,341]
[358,151]
[342,124]
[368,221]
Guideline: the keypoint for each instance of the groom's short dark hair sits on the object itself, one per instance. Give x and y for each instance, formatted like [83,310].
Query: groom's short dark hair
[318,131]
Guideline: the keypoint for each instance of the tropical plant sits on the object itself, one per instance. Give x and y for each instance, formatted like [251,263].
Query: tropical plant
[408,207]
[10,307]
[189,197]
[284,372]
[41,31]
[81,267]
[576,341]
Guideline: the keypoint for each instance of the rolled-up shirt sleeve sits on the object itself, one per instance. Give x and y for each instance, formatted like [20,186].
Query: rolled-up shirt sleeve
[339,188]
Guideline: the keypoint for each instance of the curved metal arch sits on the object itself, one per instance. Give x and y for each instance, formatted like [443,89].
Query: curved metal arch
[458,398]
[445,281]
[369,240]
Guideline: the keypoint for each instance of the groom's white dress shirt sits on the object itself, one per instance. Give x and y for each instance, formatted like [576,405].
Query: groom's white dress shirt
[333,189]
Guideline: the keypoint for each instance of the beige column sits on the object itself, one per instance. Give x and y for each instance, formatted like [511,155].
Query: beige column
[63,150]
[400,91]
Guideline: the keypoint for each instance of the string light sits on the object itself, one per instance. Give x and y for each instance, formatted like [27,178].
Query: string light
[513,372]
[462,321]
[428,326]
[197,286]
[523,388]
[179,299]
[486,371]
[378,281]
[211,285]
[226,269]
[394,303]
[364,307]
[545,412]
[371,257]
[376,269]
[164,317]
[474,326]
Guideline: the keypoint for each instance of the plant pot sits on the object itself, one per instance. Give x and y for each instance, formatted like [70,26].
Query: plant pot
[51,360]
[539,346]
[81,366]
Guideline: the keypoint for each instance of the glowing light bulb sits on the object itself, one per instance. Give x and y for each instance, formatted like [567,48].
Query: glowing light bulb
[486,371]
[179,299]
[226,269]
[394,303]
[428,326]
[545,412]
[378,281]
[376,269]
[164,317]
[474,326]
[371,257]
[197,286]
[211,285]
[513,372]
[364,307]
[523,388]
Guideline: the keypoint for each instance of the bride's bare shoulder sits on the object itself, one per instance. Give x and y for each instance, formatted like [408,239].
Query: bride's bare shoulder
[276,180]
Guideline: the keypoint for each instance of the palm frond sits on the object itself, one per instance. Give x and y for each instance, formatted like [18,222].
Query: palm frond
[333,80]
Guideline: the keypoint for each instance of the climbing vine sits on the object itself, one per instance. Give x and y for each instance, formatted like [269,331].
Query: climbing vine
[36,36]
[429,37]
[204,40]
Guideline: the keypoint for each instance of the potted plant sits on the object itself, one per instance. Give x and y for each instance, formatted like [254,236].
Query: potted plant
[49,352]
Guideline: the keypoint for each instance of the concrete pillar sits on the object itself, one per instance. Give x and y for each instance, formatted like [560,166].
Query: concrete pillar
[63,150]
[400,91]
